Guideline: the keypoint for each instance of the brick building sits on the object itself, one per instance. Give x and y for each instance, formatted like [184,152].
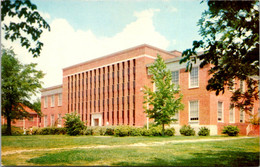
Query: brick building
[107,91]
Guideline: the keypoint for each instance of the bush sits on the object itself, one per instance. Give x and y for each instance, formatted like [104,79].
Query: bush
[230,130]
[49,131]
[187,130]
[136,131]
[147,132]
[74,126]
[169,132]
[15,130]
[204,131]
[122,131]
[156,131]
[110,131]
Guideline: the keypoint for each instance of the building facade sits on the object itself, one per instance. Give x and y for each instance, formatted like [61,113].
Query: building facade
[107,91]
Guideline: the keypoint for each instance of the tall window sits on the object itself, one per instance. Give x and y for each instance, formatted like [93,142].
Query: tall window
[45,120]
[59,119]
[194,110]
[176,117]
[60,100]
[220,111]
[52,120]
[52,101]
[175,78]
[45,101]
[241,86]
[232,115]
[194,77]
[241,116]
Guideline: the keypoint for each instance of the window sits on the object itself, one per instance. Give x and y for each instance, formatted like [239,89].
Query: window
[59,119]
[52,101]
[45,121]
[241,116]
[176,117]
[60,99]
[52,120]
[194,110]
[194,77]
[175,78]
[45,102]
[232,115]
[232,88]
[241,86]
[220,111]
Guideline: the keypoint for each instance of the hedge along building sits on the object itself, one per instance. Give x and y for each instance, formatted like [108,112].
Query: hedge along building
[107,91]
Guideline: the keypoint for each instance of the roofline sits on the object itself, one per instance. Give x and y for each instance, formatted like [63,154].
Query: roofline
[52,87]
[120,52]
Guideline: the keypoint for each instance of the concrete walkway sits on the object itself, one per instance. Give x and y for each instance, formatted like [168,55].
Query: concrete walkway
[130,145]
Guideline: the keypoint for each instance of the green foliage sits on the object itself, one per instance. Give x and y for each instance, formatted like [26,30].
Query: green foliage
[161,104]
[74,126]
[122,131]
[230,130]
[170,132]
[230,38]
[136,131]
[204,131]
[28,29]
[147,132]
[49,131]
[15,130]
[19,83]
[156,131]
[255,120]
[187,130]
[110,131]
[96,131]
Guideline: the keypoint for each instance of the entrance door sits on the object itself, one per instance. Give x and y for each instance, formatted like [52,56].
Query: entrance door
[96,122]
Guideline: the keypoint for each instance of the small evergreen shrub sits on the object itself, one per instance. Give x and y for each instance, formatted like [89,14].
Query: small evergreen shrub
[74,126]
[88,131]
[187,130]
[147,132]
[204,131]
[230,130]
[122,131]
[136,131]
[169,132]
[110,131]
[156,131]
[15,130]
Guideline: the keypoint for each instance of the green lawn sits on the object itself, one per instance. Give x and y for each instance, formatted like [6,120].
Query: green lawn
[240,152]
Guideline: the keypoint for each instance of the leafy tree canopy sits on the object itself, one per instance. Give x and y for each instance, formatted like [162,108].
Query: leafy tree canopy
[29,26]
[230,40]
[19,83]
[162,103]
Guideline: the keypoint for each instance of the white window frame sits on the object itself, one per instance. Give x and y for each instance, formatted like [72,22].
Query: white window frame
[193,86]
[232,110]
[45,120]
[60,99]
[222,111]
[178,117]
[59,119]
[190,111]
[52,120]
[52,100]
[176,85]
[232,89]
[243,116]
[243,86]
[45,101]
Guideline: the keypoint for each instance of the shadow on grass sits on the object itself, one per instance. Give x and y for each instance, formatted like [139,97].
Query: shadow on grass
[221,158]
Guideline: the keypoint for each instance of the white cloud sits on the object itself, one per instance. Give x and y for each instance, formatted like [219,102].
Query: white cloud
[64,46]
[173,9]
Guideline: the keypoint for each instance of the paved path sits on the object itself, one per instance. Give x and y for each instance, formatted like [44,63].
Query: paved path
[130,145]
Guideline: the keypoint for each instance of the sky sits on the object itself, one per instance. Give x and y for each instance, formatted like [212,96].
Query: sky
[82,30]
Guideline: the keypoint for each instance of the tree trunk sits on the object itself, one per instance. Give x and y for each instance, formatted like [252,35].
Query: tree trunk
[162,129]
[8,128]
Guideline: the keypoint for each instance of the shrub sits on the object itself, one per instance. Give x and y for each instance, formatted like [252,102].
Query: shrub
[15,130]
[88,131]
[204,131]
[74,126]
[187,130]
[136,131]
[169,132]
[147,132]
[230,130]
[156,131]
[110,131]
[122,131]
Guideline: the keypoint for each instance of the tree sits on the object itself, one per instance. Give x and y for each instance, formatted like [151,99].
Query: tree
[74,126]
[230,40]
[162,103]
[36,106]
[19,83]
[29,27]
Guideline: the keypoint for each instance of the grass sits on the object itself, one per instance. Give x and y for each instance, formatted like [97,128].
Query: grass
[240,152]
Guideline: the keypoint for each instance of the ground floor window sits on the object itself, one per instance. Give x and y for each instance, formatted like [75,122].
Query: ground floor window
[241,116]
[220,111]
[45,121]
[232,115]
[194,110]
